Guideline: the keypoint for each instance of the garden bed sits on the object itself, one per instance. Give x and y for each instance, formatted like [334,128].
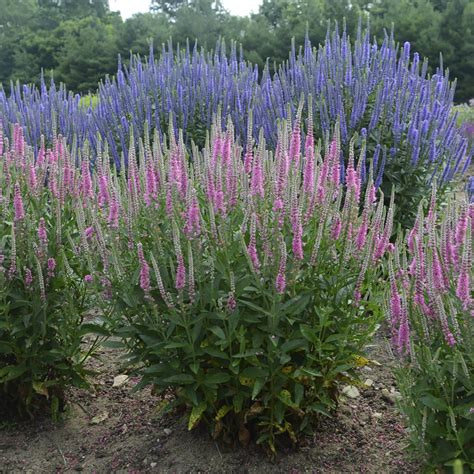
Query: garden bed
[366,435]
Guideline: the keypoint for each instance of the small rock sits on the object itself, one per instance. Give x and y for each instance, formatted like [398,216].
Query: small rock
[78,468]
[119,380]
[396,395]
[153,464]
[367,368]
[391,397]
[167,431]
[350,391]
[377,415]
[99,418]
[369,383]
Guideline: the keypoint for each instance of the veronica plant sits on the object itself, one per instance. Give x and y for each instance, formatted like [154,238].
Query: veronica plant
[242,277]
[44,282]
[431,309]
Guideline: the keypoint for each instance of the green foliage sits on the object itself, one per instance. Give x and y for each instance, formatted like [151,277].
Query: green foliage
[437,395]
[89,101]
[44,298]
[88,52]
[41,329]
[270,367]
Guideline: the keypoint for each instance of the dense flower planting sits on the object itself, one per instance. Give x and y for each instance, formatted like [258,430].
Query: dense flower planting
[371,88]
[243,281]
[251,277]
[431,309]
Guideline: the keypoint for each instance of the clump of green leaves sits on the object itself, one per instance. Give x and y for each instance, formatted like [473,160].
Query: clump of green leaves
[40,338]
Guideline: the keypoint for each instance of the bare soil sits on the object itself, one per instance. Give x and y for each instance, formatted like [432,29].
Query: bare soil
[111,429]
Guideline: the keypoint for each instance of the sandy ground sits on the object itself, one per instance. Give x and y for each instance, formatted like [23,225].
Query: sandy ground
[111,429]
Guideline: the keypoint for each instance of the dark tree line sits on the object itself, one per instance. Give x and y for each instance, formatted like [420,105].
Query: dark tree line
[78,41]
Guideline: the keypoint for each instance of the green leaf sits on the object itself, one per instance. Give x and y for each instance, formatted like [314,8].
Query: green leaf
[246,354]
[184,379]
[433,402]
[194,366]
[319,408]
[254,372]
[176,345]
[259,384]
[5,348]
[312,372]
[296,305]
[285,397]
[308,333]
[196,414]
[218,332]
[12,372]
[238,401]
[291,345]
[215,353]
[255,307]
[220,377]
[113,344]
[299,393]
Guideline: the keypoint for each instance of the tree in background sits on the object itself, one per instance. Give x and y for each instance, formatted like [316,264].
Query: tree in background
[457,32]
[88,52]
[81,39]
[75,38]
[16,16]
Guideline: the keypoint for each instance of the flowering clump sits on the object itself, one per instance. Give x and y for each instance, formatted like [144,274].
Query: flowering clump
[42,295]
[431,312]
[252,274]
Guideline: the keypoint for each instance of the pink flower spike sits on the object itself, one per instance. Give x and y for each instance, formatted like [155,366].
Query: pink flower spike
[280,283]
[28,278]
[404,336]
[18,204]
[113,217]
[104,196]
[192,226]
[42,234]
[295,144]
[180,274]
[336,229]
[231,303]
[51,267]
[144,272]
[89,232]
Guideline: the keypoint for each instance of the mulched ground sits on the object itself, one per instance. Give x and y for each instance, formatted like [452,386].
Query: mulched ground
[113,430]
